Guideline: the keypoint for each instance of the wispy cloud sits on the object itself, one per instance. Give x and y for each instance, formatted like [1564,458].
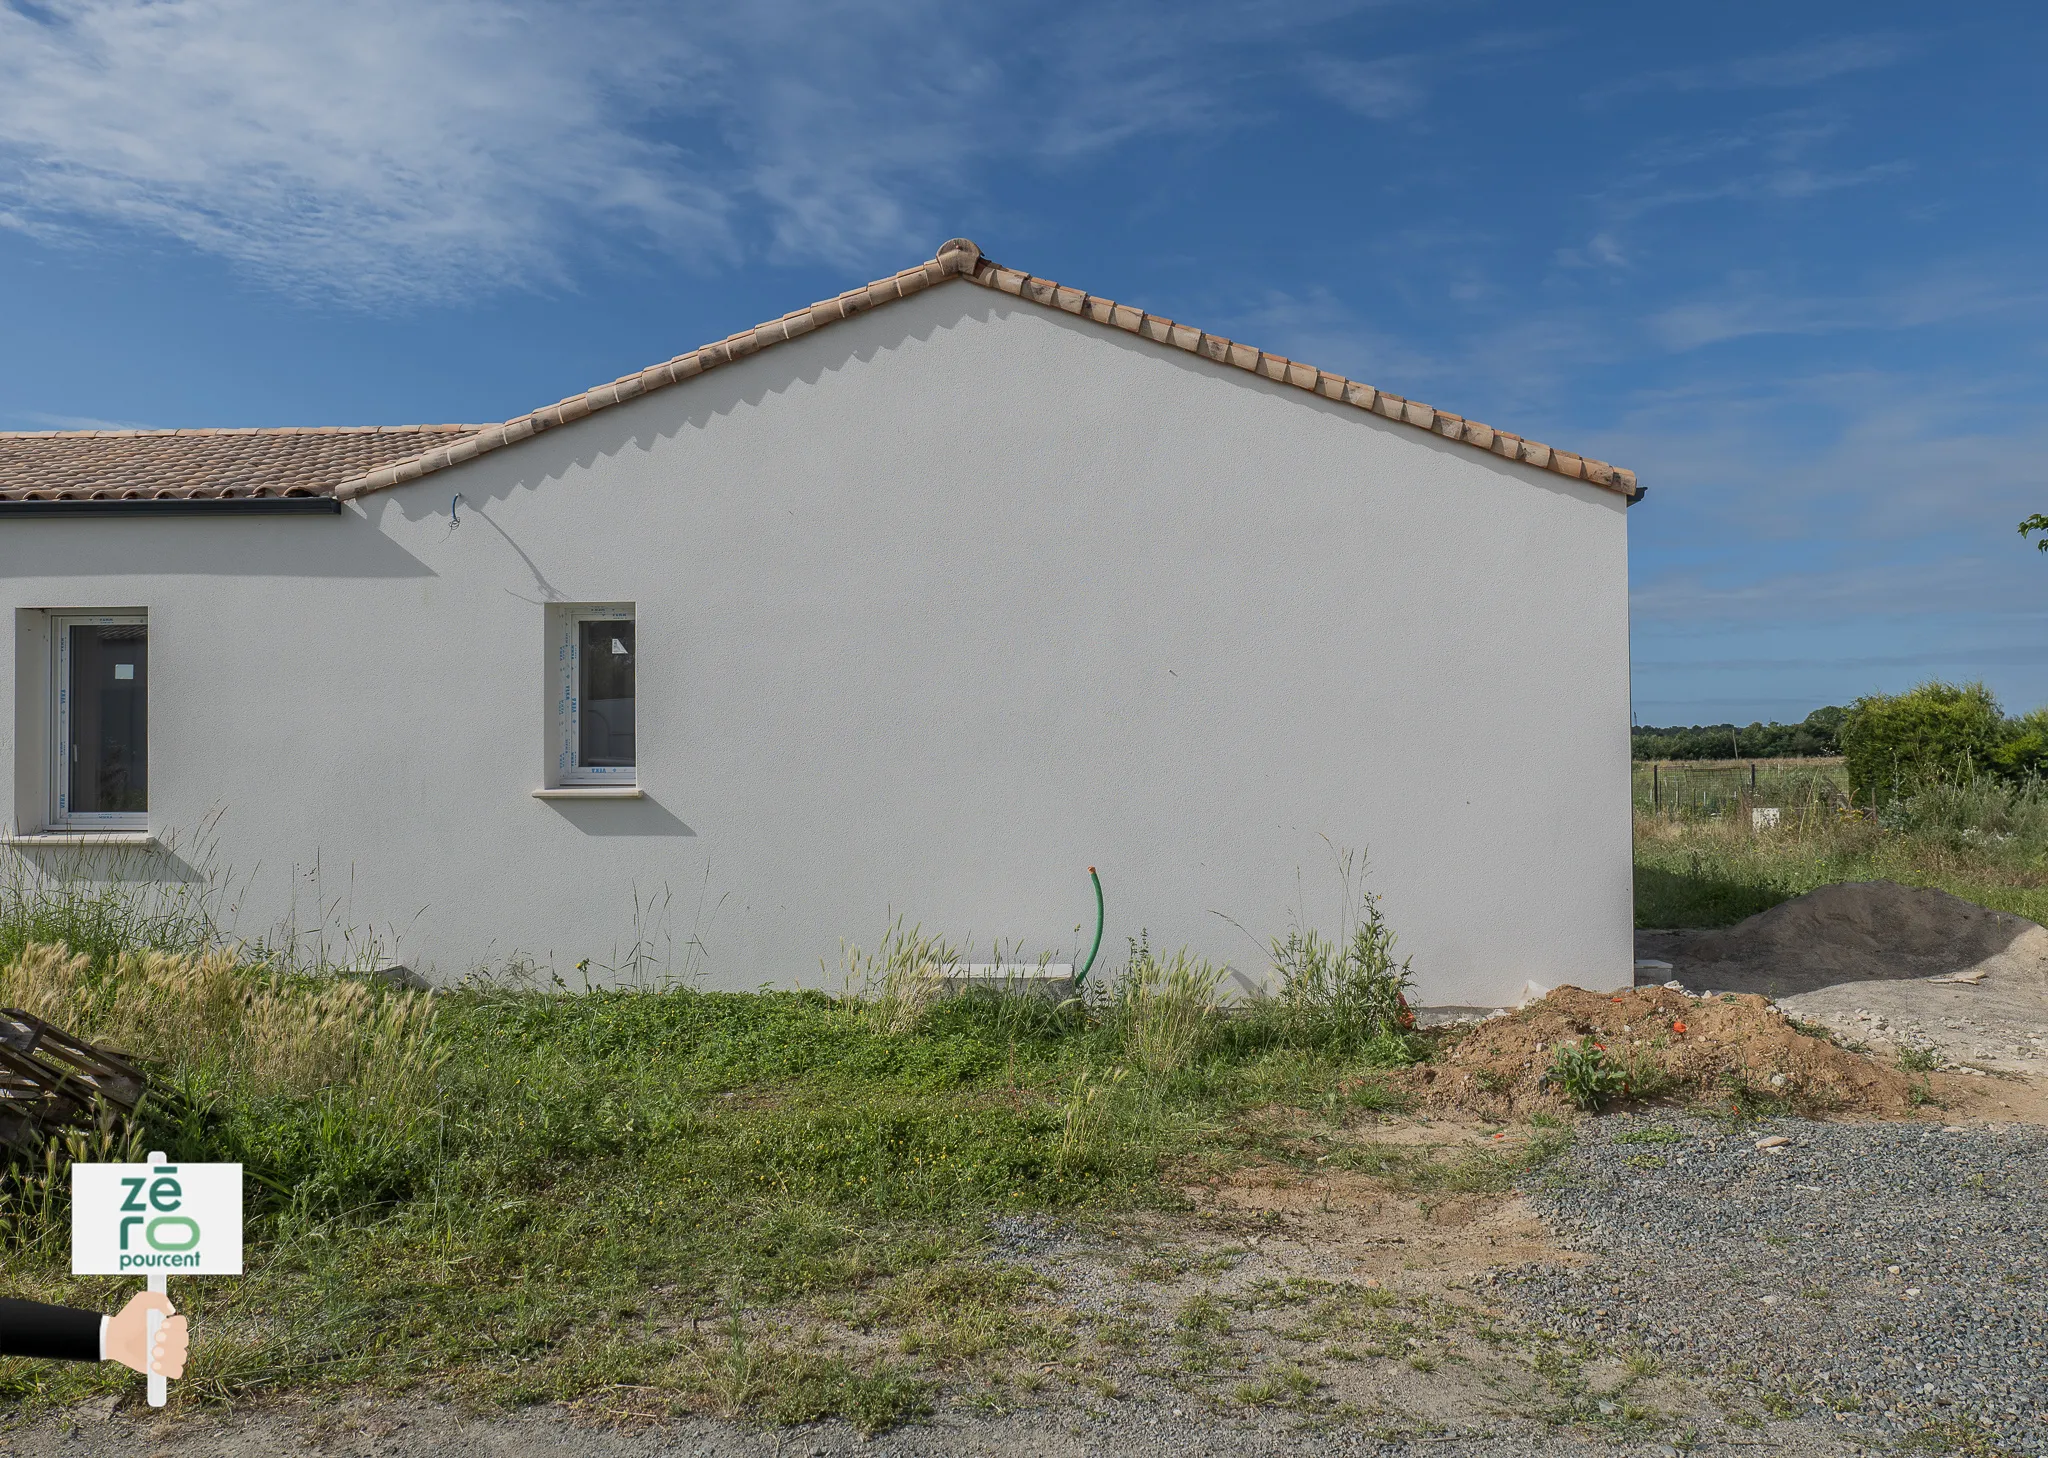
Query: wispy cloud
[384,148]
[1951,585]
[1808,64]
[391,150]
[1820,60]
[1382,89]
[1948,656]
[1317,326]
[1958,292]
[38,420]
[1775,158]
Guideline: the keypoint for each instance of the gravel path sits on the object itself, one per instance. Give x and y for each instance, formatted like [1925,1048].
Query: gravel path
[1892,1277]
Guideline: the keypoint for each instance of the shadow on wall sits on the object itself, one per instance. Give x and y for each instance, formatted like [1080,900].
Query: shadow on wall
[745,384]
[105,865]
[750,382]
[645,816]
[348,545]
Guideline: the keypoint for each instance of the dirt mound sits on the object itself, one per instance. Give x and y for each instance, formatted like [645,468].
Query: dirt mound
[1862,931]
[1728,1049]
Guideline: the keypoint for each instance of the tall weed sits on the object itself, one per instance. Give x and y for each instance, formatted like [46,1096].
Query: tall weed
[900,980]
[318,1083]
[1165,1011]
[1090,1114]
[205,1013]
[1346,996]
[102,903]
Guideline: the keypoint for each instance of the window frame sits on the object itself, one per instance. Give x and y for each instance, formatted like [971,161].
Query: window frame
[568,724]
[61,816]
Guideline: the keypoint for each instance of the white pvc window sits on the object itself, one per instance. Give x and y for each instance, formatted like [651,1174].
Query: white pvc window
[595,690]
[99,696]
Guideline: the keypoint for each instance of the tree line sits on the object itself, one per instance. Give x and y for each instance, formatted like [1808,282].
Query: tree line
[1817,734]
[1893,745]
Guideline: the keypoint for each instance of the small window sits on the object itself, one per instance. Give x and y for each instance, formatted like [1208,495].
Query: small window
[595,684]
[100,737]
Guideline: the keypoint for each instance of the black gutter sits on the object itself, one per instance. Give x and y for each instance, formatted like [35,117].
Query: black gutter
[176,506]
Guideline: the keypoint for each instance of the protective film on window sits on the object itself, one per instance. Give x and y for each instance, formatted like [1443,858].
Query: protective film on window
[107,718]
[605,693]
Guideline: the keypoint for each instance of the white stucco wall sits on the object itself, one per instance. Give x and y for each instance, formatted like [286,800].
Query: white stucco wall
[937,608]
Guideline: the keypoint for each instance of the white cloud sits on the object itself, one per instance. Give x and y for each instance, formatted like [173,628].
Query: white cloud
[38,420]
[390,150]
[1602,250]
[1965,584]
[1953,293]
[1382,89]
[1820,60]
[1796,66]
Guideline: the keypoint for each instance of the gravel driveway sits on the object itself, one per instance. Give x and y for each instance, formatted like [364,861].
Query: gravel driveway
[1888,1277]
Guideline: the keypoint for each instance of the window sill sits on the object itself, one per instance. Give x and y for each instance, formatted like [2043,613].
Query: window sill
[592,792]
[81,837]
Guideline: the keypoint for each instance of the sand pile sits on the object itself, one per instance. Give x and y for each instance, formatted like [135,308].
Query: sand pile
[1863,931]
[1715,1050]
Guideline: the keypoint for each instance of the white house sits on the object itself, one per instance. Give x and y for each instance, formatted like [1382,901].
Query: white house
[920,601]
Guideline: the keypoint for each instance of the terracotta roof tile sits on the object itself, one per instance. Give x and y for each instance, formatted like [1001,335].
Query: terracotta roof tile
[351,462]
[84,465]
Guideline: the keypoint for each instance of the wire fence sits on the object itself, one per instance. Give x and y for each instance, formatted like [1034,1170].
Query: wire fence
[1746,788]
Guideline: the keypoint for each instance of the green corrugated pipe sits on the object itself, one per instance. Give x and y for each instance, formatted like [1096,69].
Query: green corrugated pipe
[1082,976]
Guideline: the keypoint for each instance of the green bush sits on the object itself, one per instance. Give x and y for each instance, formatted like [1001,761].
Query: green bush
[1583,1073]
[1895,744]
[1346,996]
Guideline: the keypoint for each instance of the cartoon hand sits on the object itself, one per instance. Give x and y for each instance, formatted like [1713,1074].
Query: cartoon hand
[128,1334]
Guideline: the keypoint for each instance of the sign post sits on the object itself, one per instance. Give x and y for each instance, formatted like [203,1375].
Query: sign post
[156,1218]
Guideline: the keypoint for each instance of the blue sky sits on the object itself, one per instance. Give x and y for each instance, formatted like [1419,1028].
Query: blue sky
[1784,261]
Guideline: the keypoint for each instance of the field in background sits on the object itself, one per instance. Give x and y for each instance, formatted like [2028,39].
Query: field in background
[1702,860]
[1799,788]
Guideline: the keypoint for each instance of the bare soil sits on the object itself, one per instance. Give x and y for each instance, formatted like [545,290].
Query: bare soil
[1729,1047]
[1892,967]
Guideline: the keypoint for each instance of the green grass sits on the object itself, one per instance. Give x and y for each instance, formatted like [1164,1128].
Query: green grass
[1707,787]
[768,1205]
[1407,1170]
[1982,843]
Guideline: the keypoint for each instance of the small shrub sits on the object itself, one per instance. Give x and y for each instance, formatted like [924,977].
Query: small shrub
[1750,1100]
[1583,1073]
[1347,996]
[1919,1060]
